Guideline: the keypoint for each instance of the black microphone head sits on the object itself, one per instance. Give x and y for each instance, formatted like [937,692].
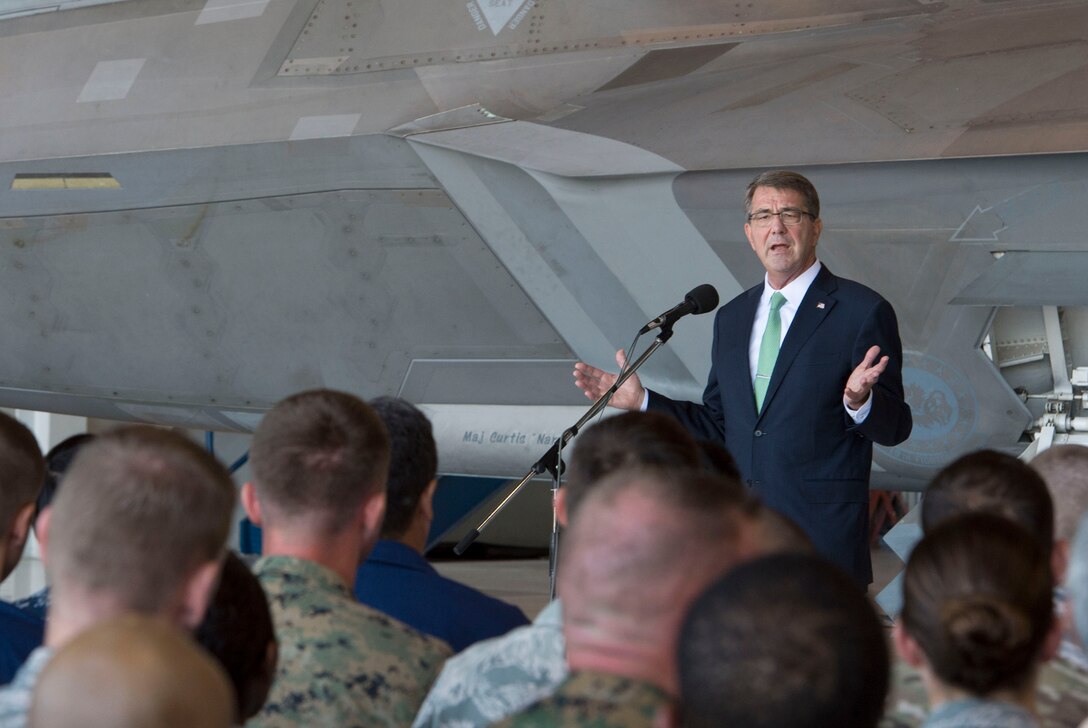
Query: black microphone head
[702,298]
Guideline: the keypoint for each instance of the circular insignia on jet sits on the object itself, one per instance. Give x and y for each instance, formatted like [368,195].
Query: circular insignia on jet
[944,409]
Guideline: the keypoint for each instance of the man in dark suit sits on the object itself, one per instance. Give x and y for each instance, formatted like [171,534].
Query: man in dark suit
[798,389]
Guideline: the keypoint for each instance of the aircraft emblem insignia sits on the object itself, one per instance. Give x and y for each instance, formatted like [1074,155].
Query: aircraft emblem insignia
[944,408]
[499,15]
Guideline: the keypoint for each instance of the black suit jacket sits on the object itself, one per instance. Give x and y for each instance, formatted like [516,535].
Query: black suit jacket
[802,453]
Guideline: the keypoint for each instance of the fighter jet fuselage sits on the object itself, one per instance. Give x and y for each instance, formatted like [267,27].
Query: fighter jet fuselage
[206,205]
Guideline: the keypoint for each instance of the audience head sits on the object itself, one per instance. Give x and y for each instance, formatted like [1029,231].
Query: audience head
[987,481]
[642,544]
[237,631]
[978,605]
[131,672]
[318,458]
[1076,582]
[413,464]
[784,640]
[717,460]
[770,532]
[622,441]
[22,470]
[1064,469]
[57,461]
[141,523]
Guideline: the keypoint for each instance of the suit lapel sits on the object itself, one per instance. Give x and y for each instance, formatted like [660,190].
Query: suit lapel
[815,306]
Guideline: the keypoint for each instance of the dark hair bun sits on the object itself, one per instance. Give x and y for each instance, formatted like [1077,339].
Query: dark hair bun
[984,633]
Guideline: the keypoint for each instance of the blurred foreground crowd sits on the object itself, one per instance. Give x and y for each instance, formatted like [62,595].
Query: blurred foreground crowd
[682,601]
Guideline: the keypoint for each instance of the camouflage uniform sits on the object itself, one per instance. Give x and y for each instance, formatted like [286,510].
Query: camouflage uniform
[15,696]
[499,677]
[341,663]
[1061,698]
[971,712]
[596,699]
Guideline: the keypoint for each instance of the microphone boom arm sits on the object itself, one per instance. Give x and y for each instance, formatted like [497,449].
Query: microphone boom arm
[550,460]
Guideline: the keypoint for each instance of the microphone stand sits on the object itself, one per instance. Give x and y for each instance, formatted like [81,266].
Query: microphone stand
[552,462]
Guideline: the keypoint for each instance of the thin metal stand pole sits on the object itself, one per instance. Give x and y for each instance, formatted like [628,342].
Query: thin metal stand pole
[553,546]
[551,462]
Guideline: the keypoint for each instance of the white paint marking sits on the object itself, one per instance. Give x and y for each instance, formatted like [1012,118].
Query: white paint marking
[219,11]
[499,12]
[111,80]
[317,127]
[477,18]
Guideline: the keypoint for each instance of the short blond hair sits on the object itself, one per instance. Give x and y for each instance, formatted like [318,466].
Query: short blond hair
[320,454]
[140,510]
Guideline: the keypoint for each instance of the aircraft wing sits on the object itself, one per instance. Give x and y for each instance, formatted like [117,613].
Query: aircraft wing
[207,205]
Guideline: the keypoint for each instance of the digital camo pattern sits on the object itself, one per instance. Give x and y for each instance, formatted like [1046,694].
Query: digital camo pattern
[974,713]
[36,604]
[15,696]
[341,663]
[1061,699]
[595,699]
[498,677]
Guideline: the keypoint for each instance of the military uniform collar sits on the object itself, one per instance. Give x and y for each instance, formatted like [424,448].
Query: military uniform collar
[300,573]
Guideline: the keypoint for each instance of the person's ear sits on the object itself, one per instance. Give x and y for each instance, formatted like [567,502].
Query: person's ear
[45,520]
[1059,560]
[20,529]
[668,716]
[250,504]
[561,506]
[374,513]
[197,593]
[426,501]
[906,647]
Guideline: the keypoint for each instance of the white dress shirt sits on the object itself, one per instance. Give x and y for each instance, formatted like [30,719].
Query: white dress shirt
[794,292]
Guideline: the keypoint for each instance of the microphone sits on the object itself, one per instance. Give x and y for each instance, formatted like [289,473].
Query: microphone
[698,300]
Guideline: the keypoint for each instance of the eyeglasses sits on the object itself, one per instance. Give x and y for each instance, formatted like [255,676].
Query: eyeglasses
[789,217]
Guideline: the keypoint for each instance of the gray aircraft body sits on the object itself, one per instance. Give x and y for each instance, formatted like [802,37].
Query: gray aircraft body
[206,205]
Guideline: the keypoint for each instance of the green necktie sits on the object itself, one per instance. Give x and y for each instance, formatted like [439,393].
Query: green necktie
[768,349]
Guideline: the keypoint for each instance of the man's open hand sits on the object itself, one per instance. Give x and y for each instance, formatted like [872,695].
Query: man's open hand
[594,382]
[863,378]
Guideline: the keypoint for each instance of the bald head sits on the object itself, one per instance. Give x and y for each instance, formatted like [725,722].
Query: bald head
[770,532]
[641,546]
[132,672]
